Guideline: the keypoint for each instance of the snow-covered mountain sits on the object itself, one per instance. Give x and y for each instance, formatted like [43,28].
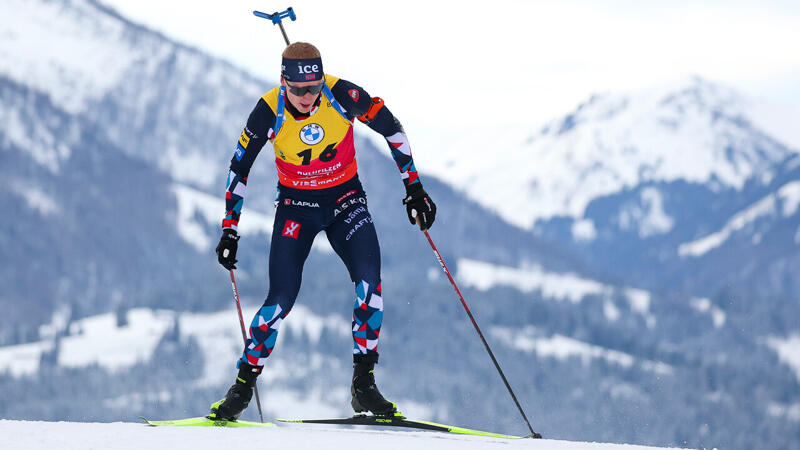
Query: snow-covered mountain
[92,62]
[113,152]
[694,131]
[677,177]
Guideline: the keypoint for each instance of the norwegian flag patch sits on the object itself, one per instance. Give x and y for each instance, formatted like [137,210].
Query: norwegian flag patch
[291,229]
[353,94]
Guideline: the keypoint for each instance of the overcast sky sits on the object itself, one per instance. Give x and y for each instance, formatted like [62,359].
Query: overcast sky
[502,61]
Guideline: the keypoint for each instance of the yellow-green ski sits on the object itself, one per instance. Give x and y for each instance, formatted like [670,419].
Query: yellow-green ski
[204,422]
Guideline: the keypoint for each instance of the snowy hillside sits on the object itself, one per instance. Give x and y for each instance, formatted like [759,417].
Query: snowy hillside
[18,435]
[102,69]
[553,285]
[86,64]
[784,202]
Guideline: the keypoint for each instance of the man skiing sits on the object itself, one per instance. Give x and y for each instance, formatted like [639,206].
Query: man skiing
[309,120]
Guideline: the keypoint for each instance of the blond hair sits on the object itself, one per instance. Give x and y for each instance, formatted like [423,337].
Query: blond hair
[301,50]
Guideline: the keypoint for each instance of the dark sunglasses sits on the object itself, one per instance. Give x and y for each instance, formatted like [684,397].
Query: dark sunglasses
[301,91]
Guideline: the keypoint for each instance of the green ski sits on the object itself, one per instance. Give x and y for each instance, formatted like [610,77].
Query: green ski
[400,421]
[204,422]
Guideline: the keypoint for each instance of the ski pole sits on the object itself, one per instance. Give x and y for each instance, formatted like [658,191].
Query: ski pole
[485,344]
[244,337]
[276,19]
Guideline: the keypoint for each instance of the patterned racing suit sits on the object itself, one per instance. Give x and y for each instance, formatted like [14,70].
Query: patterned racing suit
[318,190]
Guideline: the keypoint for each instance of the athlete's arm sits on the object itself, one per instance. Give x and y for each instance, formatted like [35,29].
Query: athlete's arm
[258,131]
[375,115]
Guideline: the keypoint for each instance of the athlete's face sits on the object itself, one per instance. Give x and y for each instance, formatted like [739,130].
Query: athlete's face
[304,102]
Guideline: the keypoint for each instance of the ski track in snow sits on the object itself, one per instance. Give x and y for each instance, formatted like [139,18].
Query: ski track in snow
[29,435]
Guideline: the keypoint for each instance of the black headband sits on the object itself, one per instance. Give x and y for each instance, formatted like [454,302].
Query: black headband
[299,70]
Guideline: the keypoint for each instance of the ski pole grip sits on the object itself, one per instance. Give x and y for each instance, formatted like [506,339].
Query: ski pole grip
[277,17]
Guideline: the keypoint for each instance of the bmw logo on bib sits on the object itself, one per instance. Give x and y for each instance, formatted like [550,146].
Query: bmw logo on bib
[312,134]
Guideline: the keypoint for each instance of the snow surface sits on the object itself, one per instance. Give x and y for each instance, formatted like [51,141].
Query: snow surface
[29,435]
[787,198]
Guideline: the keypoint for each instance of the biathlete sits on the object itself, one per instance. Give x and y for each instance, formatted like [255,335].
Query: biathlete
[309,120]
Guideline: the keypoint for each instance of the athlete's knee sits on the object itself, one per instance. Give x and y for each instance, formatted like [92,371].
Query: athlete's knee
[282,298]
[367,271]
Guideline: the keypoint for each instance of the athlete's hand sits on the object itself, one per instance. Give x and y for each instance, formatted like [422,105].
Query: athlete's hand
[226,249]
[420,207]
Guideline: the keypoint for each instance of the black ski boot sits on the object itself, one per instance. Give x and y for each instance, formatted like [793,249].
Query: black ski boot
[238,396]
[365,394]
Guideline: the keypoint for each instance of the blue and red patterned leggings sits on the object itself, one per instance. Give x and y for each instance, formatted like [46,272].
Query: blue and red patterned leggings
[340,211]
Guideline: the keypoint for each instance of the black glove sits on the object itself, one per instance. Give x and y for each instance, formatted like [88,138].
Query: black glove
[419,206]
[226,249]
